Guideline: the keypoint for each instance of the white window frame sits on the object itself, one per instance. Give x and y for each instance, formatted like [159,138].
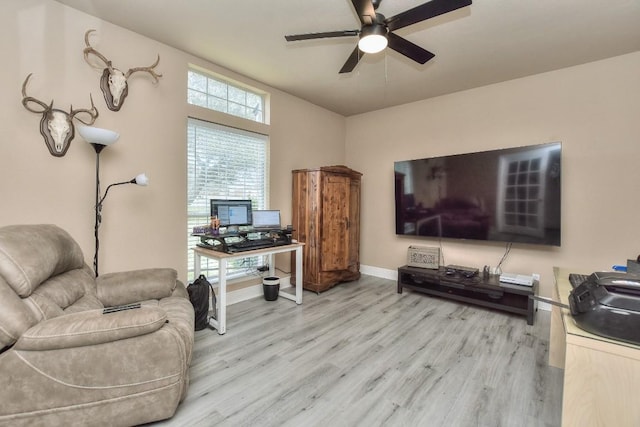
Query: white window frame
[217,93]
[221,121]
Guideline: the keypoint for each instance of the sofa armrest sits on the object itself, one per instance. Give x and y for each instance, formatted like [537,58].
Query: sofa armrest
[91,327]
[133,286]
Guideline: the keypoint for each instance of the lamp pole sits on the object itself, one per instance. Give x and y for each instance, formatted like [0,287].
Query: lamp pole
[98,206]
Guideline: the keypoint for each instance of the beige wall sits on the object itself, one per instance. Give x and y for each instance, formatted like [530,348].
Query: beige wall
[142,226]
[593,109]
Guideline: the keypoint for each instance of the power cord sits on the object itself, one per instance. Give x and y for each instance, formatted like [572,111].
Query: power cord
[504,257]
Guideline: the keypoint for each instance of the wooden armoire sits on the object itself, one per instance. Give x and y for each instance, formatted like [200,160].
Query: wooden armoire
[326,218]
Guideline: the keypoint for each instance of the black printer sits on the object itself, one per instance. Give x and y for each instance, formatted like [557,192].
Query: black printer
[608,304]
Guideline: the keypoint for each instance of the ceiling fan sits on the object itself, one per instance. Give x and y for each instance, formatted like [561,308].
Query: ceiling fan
[376,31]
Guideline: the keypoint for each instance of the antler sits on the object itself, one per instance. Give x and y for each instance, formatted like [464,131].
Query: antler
[93,112]
[26,99]
[149,69]
[89,49]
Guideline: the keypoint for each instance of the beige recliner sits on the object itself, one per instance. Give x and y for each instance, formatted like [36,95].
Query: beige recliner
[66,362]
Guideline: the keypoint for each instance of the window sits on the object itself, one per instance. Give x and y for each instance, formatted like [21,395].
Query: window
[223,163]
[220,95]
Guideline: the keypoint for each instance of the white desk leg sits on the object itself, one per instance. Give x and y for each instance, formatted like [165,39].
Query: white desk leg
[197,259]
[222,311]
[272,265]
[299,275]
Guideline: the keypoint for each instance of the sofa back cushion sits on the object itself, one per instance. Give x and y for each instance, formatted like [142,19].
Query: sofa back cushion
[42,275]
[68,292]
[31,254]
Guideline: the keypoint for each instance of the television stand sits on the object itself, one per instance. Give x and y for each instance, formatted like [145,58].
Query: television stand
[489,292]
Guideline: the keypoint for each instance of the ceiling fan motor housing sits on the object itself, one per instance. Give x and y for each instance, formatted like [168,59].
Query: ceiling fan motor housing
[374,30]
[373,38]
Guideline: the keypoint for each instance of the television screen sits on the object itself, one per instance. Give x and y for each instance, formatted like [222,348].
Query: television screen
[507,195]
[231,212]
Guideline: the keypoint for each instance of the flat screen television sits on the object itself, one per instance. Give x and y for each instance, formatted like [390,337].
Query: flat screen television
[232,212]
[507,195]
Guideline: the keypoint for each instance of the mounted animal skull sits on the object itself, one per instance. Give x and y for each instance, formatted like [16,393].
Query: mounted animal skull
[113,81]
[56,126]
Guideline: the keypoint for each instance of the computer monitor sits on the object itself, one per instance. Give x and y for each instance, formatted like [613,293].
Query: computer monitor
[266,219]
[232,212]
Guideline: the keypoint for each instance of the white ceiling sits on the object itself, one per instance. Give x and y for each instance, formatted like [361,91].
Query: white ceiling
[488,42]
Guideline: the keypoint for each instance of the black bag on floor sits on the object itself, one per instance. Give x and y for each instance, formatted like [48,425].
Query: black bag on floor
[199,297]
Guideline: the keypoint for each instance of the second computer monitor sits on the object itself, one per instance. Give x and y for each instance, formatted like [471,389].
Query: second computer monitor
[232,212]
[266,220]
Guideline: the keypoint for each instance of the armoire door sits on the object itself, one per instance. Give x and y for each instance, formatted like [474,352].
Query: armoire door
[335,220]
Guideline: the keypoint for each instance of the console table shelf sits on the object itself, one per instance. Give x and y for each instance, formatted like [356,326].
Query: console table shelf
[488,292]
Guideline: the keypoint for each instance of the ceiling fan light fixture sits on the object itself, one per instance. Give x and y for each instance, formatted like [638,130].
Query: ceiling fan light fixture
[373,39]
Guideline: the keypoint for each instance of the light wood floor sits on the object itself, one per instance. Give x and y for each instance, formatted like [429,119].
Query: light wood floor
[362,355]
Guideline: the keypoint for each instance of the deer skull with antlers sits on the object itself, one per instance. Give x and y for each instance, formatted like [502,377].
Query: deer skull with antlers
[113,81]
[56,126]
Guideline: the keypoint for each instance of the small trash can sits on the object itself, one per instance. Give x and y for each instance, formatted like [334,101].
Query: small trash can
[271,287]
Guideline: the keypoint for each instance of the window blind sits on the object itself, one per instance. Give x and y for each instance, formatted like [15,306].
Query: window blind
[223,163]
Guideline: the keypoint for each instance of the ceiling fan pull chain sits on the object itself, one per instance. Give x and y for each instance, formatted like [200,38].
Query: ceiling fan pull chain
[386,75]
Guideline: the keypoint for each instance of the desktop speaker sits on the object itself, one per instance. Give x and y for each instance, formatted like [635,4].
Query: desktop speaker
[423,257]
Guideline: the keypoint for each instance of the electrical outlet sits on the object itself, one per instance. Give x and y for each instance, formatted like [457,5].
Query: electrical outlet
[536,276]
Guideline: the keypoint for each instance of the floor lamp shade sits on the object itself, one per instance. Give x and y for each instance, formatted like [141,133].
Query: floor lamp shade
[94,135]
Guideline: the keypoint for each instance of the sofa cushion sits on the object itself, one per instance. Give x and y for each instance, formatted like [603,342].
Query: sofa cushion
[30,254]
[91,328]
[67,288]
[131,286]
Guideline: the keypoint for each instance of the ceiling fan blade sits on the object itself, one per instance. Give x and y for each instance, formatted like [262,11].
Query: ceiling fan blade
[328,34]
[408,49]
[424,11]
[352,61]
[365,11]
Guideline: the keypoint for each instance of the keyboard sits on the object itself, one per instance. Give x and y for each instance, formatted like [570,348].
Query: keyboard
[251,244]
[577,279]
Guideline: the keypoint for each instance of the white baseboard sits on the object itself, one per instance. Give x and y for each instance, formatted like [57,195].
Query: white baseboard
[383,273]
[253,291]
[285,282]
[544,305]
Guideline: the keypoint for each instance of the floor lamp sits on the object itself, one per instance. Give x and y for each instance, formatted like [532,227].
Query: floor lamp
[99,139]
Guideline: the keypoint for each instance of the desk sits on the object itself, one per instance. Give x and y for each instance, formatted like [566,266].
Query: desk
[601,376]
[223,258]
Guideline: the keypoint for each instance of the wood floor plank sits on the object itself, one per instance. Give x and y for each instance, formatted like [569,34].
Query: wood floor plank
[361,354]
